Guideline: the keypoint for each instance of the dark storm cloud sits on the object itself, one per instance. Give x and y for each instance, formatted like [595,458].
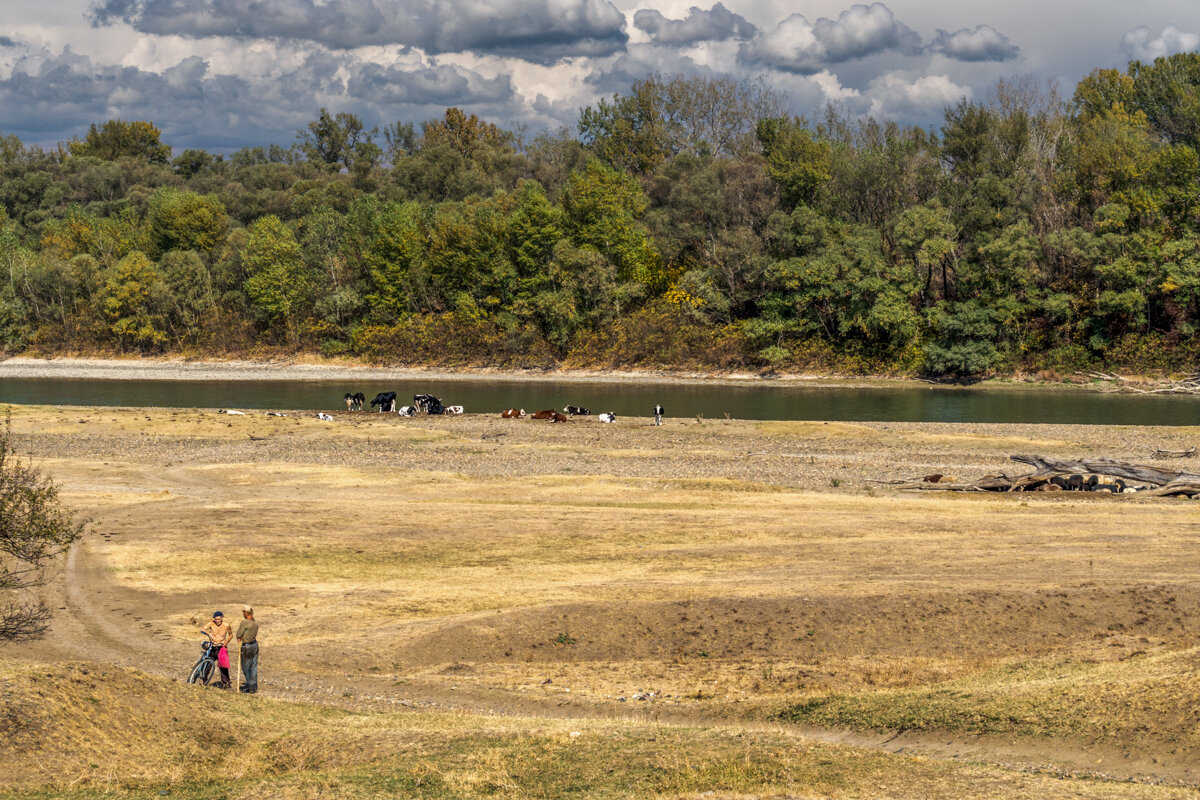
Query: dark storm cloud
[981,43]
[7,42]
[58,96]
[714,25]
[542,31]
[797,45]
[439,84]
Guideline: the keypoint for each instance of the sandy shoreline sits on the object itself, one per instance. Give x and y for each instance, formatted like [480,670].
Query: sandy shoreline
[176,369]
[167,369]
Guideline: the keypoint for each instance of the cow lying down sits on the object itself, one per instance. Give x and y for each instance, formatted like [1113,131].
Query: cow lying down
[513,413]
[607,416]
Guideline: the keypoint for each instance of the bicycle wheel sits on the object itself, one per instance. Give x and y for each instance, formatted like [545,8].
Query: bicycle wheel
[203,673]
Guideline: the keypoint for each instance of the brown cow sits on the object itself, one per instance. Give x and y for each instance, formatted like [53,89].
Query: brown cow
[547,414]
[558,418]
[513,413]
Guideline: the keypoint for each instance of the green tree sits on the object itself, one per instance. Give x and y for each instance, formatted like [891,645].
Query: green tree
[395,256]
[797,161]
[35,528]
[118,138]
[337,139]
[277,284]
[462,132]
[131,299]
[602,207]
[190,298]
[181,220]
[834,283]
[628,132]
[927,237]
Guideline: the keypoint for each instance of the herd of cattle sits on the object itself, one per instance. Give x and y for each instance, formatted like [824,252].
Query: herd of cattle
[428,404]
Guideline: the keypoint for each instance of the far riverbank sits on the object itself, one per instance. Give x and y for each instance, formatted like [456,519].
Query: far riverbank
[176,369]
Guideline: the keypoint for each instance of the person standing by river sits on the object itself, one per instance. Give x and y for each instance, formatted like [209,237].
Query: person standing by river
[247,634]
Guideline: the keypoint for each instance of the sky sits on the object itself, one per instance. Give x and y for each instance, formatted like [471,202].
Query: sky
[222,74]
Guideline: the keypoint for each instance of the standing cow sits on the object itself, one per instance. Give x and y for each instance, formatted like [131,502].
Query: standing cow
[385,400]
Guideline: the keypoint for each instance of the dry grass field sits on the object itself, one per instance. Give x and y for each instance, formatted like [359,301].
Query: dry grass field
[467,607]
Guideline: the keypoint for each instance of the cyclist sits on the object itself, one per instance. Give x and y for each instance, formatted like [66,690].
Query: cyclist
[220,634]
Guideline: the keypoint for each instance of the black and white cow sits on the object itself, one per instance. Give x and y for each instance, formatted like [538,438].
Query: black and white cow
[607,416]
[354,402]
[385,400]
[427,404]
[576,411]
[406,411]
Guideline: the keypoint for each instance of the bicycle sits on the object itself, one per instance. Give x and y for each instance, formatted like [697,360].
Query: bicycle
[206,666]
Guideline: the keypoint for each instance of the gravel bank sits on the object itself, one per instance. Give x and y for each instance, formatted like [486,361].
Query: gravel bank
[843,457]
[176,370]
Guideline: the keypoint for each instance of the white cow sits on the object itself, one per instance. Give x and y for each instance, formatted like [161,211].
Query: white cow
[406,411]
[608,416]
[452,410]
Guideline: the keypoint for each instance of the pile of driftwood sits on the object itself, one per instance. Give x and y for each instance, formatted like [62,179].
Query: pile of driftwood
[1188,385]
[1055,475]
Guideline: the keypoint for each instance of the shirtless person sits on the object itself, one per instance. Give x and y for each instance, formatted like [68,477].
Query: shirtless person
[220,635]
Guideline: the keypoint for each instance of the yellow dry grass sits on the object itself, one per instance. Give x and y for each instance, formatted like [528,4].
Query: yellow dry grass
[498,583]
[78,730]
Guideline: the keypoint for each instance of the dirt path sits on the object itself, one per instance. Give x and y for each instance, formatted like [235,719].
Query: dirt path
[96,620]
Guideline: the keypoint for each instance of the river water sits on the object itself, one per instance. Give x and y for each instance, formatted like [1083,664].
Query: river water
[712,400]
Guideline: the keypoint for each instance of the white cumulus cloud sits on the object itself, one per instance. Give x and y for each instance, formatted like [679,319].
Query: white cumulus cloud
[1142,45]
[797,45]
[896,96]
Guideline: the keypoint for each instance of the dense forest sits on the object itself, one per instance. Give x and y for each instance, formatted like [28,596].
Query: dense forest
[689,223]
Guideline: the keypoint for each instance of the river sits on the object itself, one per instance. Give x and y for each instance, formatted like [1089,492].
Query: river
[763,400]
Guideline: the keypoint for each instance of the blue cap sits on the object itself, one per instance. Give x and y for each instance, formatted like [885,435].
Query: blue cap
[218,614]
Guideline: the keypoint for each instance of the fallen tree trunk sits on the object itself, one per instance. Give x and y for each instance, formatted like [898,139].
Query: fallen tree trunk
[1160,453]
[1106,466]
[1166,482]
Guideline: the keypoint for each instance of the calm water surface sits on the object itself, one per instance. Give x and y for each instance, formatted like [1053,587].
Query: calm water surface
[758,401]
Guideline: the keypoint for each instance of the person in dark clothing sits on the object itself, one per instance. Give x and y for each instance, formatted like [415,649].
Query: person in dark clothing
[247,634]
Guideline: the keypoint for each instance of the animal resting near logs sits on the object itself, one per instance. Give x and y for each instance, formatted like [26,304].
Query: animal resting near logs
[1066,475]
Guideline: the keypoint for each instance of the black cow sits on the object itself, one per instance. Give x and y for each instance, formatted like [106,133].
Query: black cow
[576,411]
[1069,483]
[428,404]
[1094,485]
[385,400]
[354,402]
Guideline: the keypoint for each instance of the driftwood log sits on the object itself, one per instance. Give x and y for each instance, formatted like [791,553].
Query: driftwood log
[1160,453]
[1166,482]
[1188,385]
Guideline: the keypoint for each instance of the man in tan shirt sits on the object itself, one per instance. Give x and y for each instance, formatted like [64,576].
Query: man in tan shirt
[247,634]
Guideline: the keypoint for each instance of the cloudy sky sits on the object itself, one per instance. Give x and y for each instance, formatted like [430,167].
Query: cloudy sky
[221,74]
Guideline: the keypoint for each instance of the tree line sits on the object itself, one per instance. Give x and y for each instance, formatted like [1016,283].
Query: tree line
[688,223]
